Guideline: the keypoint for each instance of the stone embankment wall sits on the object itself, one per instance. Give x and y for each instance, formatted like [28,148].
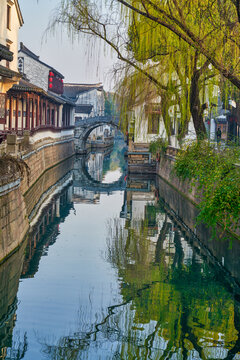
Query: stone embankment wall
[46,181]
[43,158]
[13,217]
[182,200]
[14,211]
[165,170]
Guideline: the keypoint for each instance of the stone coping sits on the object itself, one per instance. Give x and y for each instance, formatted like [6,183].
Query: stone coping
[6,188]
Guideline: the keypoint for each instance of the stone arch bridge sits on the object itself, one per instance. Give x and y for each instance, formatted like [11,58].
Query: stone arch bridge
[85,126]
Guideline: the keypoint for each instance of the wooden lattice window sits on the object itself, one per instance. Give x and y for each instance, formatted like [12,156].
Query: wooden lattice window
[153,112]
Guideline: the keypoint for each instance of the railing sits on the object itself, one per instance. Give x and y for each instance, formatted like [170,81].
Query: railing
[50,127]
[95,119]
[20,132]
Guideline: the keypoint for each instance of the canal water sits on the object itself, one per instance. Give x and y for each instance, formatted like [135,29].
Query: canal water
[107,272]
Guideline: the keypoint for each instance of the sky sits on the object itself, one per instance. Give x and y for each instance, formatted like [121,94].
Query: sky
[79,61]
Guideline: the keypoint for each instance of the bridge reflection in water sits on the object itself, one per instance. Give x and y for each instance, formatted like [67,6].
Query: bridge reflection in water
[173,298]
[89,174]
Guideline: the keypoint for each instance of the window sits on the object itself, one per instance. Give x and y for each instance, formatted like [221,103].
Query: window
[153,123]
[9,17]
[153,113]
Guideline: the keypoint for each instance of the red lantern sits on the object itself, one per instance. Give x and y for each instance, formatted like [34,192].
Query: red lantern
[51,73]
[50,79]
[50,86]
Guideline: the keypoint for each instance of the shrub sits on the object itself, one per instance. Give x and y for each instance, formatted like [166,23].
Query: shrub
[217,178]
[158,146]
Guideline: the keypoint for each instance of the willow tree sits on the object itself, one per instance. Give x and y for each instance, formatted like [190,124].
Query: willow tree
[186,74]
[212,27]
[206,32]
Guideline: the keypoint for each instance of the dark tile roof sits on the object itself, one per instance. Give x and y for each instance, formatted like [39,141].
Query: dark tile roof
[72,90]
[29,53]
[83,109]
[26,86]
[64,98]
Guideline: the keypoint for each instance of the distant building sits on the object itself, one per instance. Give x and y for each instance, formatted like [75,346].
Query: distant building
[90,102]
[89,99]
[10,21]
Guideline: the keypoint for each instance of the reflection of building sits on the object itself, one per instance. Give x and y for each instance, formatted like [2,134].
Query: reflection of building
[143,211]
[45,231]
[84,196]
[95,166]
[10,272]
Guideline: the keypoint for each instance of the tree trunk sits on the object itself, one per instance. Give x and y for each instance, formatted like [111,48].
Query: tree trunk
[196,107]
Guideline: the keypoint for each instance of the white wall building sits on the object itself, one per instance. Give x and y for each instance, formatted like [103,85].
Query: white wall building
[89,99]
[148,124]
[94,97]
[90,102]
[10,21]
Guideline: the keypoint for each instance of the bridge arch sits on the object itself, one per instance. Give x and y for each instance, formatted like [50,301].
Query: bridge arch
[84,127]
[88,131]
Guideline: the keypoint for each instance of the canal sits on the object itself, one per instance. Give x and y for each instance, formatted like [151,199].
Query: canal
[109,271]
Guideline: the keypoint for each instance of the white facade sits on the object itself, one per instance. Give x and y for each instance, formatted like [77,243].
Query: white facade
[141,128]
[93,97]
[37,73]
[9,32]
[10,22]
[141,133]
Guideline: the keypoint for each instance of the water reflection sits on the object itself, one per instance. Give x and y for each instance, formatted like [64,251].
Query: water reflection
[175,304]
[98,173]
[122,280]
[10,273]
[45,232]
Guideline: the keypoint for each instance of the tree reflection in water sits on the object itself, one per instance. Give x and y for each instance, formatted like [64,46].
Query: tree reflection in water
[174,304]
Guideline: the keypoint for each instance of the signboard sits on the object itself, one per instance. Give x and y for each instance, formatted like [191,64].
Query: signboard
[21,65]
[2,108]
[55,83]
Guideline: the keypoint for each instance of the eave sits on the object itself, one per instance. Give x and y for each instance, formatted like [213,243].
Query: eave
[19,13]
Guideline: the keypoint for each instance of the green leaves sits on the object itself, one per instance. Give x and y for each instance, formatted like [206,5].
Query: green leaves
[158,146]
[216,176]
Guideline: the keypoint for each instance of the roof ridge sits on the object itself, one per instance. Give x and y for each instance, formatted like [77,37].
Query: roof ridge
[37,58]
[29,52]
[83,84]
